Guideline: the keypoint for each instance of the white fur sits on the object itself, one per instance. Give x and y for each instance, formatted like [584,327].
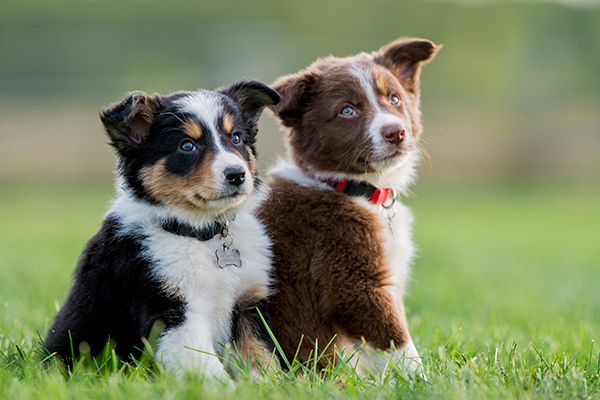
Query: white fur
[397,232]
[207,107]
[382,118]
[288,171]
[399,250]
[397,244]
[200,218]
[375,362]
[188,267]
[224,159]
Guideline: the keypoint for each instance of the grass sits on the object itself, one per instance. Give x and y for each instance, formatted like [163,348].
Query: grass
[504,301]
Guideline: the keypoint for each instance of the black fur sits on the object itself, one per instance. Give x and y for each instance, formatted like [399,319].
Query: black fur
[244,100]
[248,315]
[114,295]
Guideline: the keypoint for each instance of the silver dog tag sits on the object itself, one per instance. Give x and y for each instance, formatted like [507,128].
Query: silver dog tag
[227,257]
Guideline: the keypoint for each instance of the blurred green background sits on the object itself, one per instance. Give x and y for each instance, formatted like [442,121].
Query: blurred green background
[514,94]
[507,212]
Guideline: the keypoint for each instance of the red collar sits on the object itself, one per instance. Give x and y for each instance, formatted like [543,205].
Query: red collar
[375,195]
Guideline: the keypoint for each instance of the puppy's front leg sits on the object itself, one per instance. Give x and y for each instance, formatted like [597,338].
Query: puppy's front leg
[190,346]
[370,313]
[408,354]
[404,353]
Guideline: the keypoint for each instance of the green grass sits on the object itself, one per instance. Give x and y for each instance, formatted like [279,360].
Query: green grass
[504,303]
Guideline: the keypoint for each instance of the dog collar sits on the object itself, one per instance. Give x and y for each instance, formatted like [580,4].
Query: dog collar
[177,228]
[375,195]
[226,256]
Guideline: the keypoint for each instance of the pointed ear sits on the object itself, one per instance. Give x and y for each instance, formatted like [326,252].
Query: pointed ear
[296,91]
[404,58]
[127,122]
[253,96]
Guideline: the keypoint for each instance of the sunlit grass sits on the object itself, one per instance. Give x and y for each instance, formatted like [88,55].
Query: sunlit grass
[504,301]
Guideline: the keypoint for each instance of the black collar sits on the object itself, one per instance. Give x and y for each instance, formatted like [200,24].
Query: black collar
[203,235]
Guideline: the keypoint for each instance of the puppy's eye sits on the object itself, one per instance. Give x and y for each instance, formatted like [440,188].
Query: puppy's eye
[394,100]
[236,138]
[348,111]
[187,146]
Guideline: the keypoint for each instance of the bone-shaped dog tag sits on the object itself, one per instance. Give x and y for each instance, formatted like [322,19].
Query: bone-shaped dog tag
[227,256]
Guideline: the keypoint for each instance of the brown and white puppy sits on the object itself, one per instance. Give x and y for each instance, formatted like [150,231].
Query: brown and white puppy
[342,242]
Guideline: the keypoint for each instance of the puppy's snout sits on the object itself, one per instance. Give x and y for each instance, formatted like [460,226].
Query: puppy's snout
[235,175]
[394,134]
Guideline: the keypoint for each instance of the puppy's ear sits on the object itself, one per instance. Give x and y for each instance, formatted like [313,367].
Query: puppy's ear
[296,91]
[253,96]
[127,122]
[404,58]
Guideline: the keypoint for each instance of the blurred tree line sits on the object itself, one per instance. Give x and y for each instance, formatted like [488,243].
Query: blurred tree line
[514,93]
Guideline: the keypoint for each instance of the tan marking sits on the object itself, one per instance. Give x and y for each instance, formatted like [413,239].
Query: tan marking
[192,129]
[228,122]
[188,193]
[252,294]
[382,82]
[143,108]
[249,348]
[172,290]
[252,162]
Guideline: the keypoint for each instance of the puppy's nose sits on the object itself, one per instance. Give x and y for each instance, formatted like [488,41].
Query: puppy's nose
[394,134]
[234,175]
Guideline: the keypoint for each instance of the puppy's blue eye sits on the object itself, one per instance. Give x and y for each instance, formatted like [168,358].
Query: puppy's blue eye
[187,145]
[394,100]
[236,138]
[347,111]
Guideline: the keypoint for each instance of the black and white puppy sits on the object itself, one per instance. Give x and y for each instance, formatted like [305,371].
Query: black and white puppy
[179,244]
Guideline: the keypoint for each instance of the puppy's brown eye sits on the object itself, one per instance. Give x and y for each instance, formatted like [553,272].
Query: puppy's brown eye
[394,100]
[187,145]
[348,111]
[236,138]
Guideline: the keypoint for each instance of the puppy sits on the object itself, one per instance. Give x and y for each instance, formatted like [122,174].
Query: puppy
[341,239]
[179,246]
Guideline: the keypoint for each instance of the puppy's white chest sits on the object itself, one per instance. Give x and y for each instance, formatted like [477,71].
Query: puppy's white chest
[194,267]
[189,269]
[396,235]
[398,244]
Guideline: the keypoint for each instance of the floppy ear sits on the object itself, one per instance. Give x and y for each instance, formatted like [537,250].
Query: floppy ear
[253,96]
[296,91]
[404,58]
[127,122]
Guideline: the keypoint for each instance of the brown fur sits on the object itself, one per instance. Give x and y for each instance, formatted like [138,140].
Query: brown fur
[251,351]
[192,129]
[404,57]
[331,272]
[313,98]
[227,122]
[186,193]
[322,290]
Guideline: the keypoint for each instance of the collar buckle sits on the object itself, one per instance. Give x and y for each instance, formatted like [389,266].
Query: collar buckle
[375,195]
[381,196]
